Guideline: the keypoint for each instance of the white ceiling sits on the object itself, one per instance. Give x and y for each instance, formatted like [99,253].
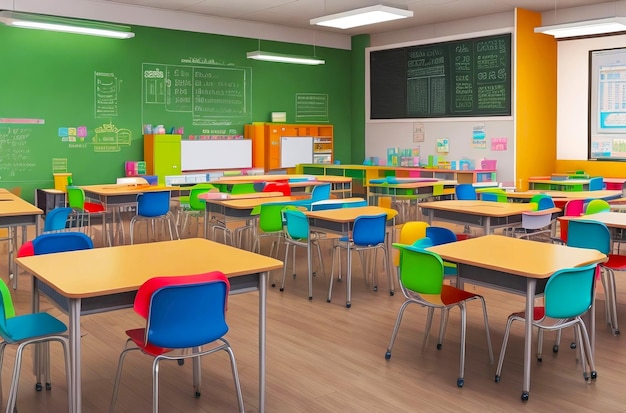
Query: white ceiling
[297,13]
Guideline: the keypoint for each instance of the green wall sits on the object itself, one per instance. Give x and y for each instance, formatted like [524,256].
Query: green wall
[79,103]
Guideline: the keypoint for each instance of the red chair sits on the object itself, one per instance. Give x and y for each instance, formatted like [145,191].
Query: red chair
[278,186]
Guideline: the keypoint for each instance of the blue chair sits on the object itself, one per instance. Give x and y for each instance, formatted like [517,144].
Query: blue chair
[368,234]
[56,219]
[596,235]
[465,192]
[183,315]
[319,193]
[439,236]
[153,206]
[61,242]
[567,296]
[28,329]
[421,281]
[596,183]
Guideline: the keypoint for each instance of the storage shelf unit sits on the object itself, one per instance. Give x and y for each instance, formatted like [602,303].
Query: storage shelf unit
[266,142]
[361,174]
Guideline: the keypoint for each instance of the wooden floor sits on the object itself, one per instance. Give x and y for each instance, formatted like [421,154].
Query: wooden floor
[323,357]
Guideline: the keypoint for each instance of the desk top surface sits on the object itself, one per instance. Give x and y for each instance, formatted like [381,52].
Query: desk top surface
[248,203]
[413,184]
[124,189]
[269,178]
[102,271]
[574,181]
[521,257]
[350,214]
[12,205]
[610,219]
[483,208]
[602,194]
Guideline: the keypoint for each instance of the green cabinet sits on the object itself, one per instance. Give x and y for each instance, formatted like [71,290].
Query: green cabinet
[162,154]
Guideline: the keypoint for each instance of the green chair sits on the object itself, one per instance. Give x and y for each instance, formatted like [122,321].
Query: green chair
[193,207]
[596,206]
[421,281]
[270,225]
[85,209]
[243,188]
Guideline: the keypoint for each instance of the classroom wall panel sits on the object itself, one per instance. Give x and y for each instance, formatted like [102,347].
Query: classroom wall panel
[78,103]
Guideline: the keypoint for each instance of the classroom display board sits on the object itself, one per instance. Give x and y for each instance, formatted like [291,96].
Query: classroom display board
[461,78]
[216,154]
[81,104]
[295,150]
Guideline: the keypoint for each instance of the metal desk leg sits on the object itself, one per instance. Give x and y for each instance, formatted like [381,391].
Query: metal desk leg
[310,265]
[264,276]
[531,285]
[75,367]
[349,276]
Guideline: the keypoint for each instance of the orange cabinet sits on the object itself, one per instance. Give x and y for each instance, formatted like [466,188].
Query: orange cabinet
[266,142]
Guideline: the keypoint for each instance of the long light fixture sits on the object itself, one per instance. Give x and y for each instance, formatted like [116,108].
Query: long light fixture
[285,58]
[585,27]
[362,17]
[64,24]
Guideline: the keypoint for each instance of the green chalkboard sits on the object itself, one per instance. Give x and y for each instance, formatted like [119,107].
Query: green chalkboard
[469,77]
[72,103]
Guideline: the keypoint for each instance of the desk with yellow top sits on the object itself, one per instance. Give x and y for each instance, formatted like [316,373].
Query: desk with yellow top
[104,279]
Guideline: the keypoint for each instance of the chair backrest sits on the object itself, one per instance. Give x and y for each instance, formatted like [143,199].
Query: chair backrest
[569,292]
[589,234]
[369,229]
[354,204]
[278,186]
[493,197]
[322,206]
[420,270]
[465,192]
[56,219]
[271,217]
[535,220]
[410,232]
[440,235]
[296,224]
[423,243]
[596,183]
[574,208]
[320,192]
[195,203]
[243,188]
[541,202]
[153,203]
[597,205]
[75,197]
[6,307]
[61,242]
[183,312]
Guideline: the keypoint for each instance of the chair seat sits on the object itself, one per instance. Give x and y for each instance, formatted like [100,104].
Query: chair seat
[29,326]
[93,207]
[616,262]
[538,313]
[138,336]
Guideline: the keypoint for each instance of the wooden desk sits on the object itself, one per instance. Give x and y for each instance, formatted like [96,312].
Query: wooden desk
[482,214]
[340,185]
[610,219]
[238,209]
[559,185]
[515,265]
[341,221]
[15,212]
[409,191]
[115,274]
[114,196]
[566,195]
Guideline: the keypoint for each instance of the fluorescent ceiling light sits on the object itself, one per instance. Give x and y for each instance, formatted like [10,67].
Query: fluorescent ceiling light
[64,24]
[362,17]
[585,27]
[285,58]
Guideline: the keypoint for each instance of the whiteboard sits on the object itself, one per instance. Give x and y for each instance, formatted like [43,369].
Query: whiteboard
[216,154]
[295,150]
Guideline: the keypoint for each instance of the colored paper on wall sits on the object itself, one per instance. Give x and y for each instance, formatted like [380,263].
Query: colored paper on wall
[499,144]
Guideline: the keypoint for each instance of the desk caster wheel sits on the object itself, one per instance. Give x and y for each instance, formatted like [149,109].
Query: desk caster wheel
[38,387]
[348,305]
[391,293]
[197,395]
[555,348]
[460,382]
[439,345]
[48,386]
[388,355]
[594,375]
[181,362]
[497,378]
[525,396]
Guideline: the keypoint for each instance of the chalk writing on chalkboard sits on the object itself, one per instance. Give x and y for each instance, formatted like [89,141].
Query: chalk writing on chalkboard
[209,94]
[469,77]
[311,107]
[106,88]
[110,138]
[15,154]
